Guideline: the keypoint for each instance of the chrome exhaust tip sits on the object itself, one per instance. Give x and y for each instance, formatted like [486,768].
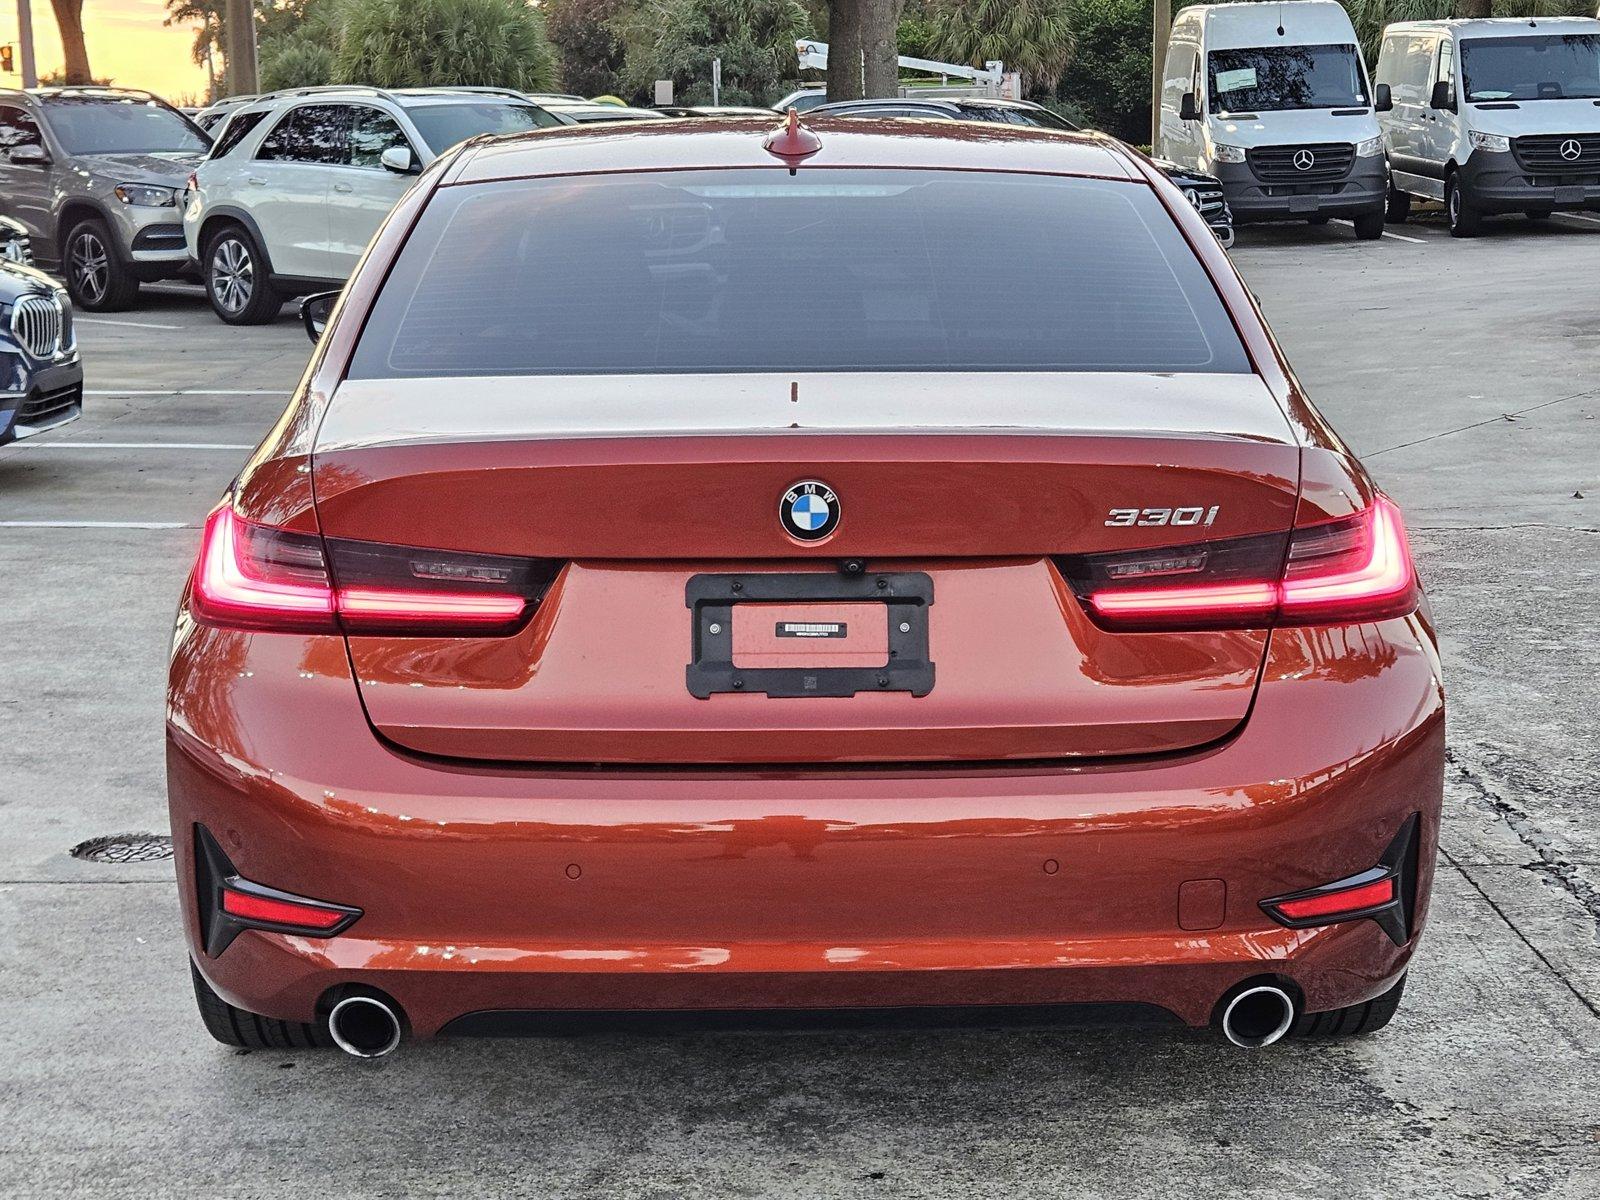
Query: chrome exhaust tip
[1258,1016]
[365,1026]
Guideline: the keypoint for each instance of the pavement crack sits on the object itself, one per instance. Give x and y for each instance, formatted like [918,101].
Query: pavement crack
[1499,528]
[1550,862]
[1521,937]
[1497,419]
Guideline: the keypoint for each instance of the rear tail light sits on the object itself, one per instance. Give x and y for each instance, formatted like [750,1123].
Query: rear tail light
[251,576]
[1355,568]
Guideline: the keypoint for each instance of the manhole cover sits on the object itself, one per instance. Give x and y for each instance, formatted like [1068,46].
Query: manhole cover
[125,848]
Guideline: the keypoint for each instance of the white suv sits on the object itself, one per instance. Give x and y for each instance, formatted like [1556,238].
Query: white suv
[297,183]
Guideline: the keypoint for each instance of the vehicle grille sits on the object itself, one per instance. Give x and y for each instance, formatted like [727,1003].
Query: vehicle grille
[1543,153]
[39,325]
[41,406]
[1330,161]
[1207,202]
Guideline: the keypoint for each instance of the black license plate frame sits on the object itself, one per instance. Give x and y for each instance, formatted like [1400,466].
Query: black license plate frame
[711,599]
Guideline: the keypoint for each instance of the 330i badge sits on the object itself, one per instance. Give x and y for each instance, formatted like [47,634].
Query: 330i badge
[1080,663]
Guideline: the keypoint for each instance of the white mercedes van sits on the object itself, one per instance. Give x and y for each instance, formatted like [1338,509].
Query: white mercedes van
[1273,100]
[1493,116]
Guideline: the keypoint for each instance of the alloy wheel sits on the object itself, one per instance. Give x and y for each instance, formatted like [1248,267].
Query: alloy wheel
[90,266]
[233,274]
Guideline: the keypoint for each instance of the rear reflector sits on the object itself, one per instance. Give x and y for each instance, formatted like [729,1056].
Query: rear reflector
[1332,904]
[270,910]
[1352,569]
[251,576]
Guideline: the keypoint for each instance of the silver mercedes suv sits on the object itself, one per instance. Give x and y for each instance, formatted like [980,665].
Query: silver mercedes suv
[96,175]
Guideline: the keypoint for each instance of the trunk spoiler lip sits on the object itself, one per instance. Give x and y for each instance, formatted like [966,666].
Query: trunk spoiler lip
[378,413]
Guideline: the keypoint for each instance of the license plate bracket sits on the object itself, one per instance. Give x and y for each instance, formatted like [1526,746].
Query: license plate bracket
[906,594]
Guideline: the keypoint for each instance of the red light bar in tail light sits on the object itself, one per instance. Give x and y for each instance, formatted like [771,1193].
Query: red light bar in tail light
[252,576]
[402,590]
[268,907]
[1227,584]
[1356,568]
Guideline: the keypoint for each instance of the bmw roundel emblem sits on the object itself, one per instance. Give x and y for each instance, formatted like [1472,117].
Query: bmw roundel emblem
[809,511]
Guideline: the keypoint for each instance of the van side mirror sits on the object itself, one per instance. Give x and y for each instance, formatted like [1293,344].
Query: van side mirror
[1383,99]
[399,160]
[1188,110]
[29,156]
[1441,97]
[314,312]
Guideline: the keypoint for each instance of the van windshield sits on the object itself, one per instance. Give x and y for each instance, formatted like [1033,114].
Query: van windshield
[1557,67]
[1273,78]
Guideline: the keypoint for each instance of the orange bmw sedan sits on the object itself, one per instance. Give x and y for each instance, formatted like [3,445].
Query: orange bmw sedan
[884,565]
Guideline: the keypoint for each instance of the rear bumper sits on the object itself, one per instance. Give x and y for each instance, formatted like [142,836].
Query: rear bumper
[1364,190]
[493,890]
[1495,183]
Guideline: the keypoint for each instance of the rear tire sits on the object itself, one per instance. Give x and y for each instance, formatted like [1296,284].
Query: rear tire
[1369,226]
[1397,208]
[97,279]
[1465,221]
[234,1027]
[1366,1017]
[237,280]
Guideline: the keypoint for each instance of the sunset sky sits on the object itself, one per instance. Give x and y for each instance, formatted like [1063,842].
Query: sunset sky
[127,44]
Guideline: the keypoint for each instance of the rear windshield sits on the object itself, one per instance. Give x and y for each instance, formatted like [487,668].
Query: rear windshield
[1276,78]
[826,270]
[1561,67]
[443,125]
[132,126]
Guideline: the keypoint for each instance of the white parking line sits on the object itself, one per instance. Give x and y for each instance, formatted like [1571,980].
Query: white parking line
[95,525]
[185,392]
[1399,237]
[1580,217]
[77,320]
[70,445]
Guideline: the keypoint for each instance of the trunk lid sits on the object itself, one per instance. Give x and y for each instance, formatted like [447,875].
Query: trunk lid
[646,488]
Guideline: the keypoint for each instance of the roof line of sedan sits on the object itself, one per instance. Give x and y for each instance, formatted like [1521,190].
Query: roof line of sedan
[712,143]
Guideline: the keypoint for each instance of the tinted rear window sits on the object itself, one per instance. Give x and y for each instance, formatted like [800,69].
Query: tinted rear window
[827,270]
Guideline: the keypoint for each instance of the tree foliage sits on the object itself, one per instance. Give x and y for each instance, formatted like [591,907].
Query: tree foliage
[1107,85]
[1034,37]
[753,38]
[296,61]
[431,43]
[589,48]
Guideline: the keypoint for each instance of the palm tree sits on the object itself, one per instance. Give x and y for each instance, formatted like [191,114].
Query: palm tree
[1033,37]
[429,43]
[207,16]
